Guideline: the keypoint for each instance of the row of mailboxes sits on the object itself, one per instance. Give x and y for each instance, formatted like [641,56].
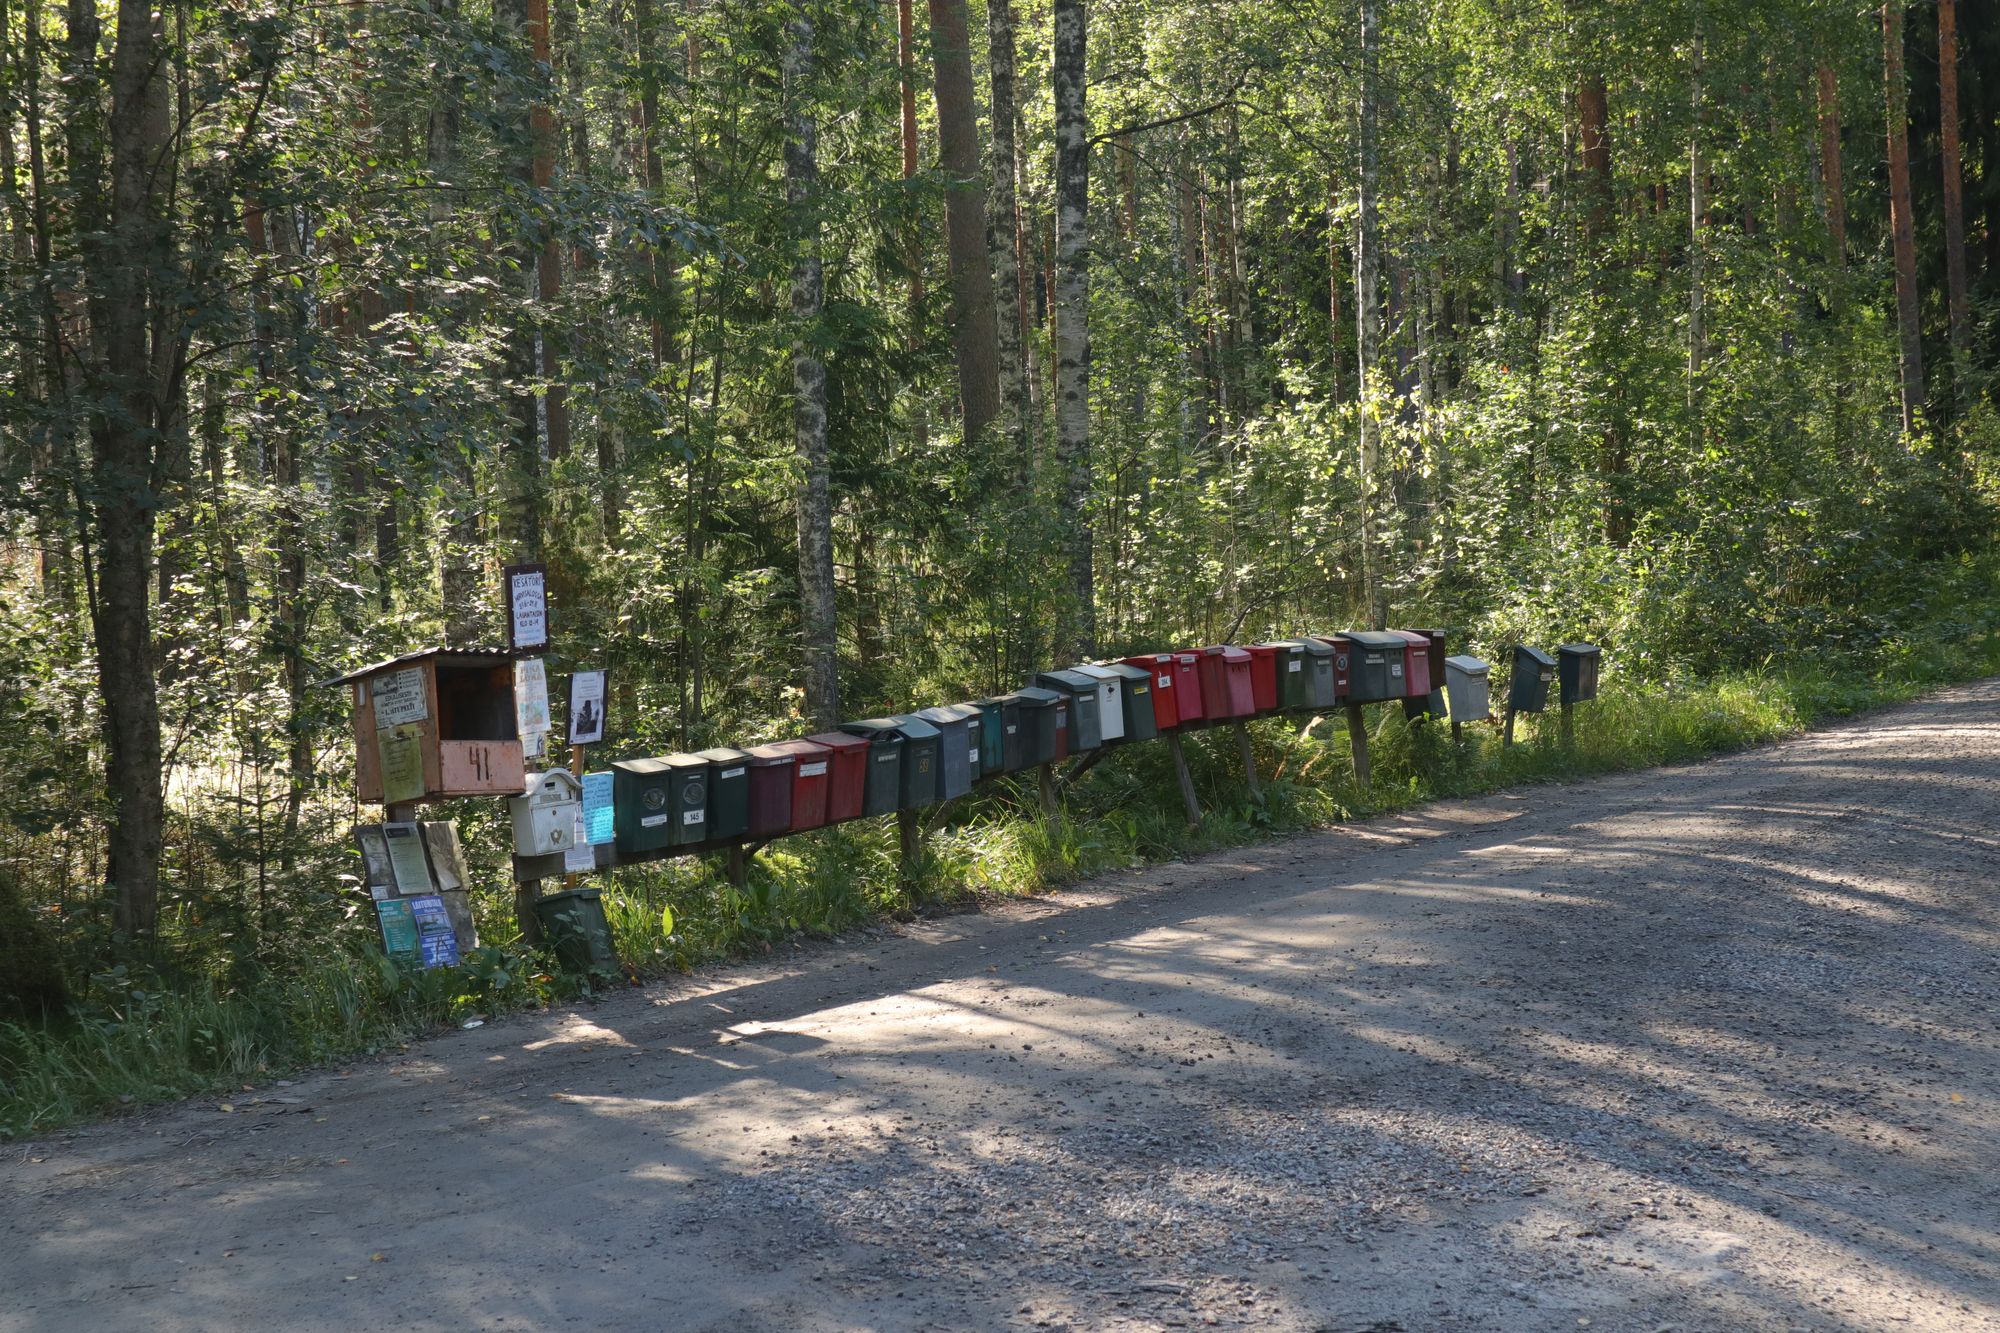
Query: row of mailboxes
[1573,671]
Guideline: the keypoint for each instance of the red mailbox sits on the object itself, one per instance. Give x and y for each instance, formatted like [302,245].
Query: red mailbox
[1166,706]
[1226,690]
[771,774]
[1264,675]
[1416,663]
[1343,664]
[1187,687]
[846,775]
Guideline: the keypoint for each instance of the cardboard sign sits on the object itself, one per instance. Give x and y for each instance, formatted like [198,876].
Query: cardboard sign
[375,865]
[401,751]
[527,607]
[597,821]
[399,930]
[586,708]
[399,698]
[531,696]
[447,857]
[408,860]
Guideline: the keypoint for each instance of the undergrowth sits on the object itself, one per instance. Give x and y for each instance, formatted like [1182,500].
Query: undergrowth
[129,1037]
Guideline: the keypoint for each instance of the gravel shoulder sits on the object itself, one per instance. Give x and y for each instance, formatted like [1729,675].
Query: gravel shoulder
[1709,1047]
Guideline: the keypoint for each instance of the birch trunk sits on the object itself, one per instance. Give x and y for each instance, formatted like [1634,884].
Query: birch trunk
[815,504]
[1073,319]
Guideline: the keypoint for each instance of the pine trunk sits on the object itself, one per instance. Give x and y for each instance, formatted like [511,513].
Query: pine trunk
[1954,188]
[1072,338]
[1896,97]
[1831,177]
[974,333]
[1003,226]
[815,502]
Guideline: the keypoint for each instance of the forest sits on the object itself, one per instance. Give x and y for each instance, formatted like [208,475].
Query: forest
[848,356]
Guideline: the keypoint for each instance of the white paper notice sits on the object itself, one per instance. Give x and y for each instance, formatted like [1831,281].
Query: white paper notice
[586,708]
[531,696]
[399,698]
[528,607]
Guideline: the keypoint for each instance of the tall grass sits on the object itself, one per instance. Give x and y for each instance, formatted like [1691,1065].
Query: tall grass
[135,1042]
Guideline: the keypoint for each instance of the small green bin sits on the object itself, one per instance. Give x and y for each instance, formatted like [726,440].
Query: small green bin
[574,924]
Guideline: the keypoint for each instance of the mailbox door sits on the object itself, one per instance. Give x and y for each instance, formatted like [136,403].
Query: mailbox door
[728,793]
[1084,731]
[1014,737]
[883,789]
[1214,676]
[958,748]
[1041,727]
[992,751]
[1528,689]
[812,779]
[641,801]
[1343,665]
[846,774]
[772,775]
[1237,673]
[1264,676]
[689,788]
[1294,676]
[917,785]
[1136,695]
[1187,688]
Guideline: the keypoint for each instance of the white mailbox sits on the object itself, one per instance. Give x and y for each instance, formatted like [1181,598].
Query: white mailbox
[547,814]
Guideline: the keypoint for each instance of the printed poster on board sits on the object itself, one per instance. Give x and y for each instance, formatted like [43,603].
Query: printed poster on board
[399,930]
[436,940]
[586,707]
[399,698]
[597,824]
[401,751]
[531,696]
[527,607]
[407,859]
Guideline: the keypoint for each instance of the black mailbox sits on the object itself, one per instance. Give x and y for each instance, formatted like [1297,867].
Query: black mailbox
[1576,664]
[882,794]
[1374,665]
[1528,689]
[1043,714]
[1081,694]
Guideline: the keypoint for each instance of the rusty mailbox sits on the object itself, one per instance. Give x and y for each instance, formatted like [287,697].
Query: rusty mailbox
[435,724]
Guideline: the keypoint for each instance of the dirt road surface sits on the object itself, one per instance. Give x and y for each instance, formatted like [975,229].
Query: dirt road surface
[1715,1047]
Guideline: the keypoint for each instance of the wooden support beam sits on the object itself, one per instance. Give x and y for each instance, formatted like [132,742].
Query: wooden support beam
[1249,760]
[1507,737]
[910,835]
[737,866]
[1046,774]
[1568,726]
[1082,766]
[1186,779]
[1357,737]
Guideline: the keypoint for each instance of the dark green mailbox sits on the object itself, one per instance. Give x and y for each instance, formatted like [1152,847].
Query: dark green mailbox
[1289,661]
[659,803]
[921,761]
[959,747]
[1086,732]
[1001,735]
[883,792]
[1313,682]
[573,922]
[1528,690]
[1042,713]
[1374,665]
[1136,698]
[728,794]
[1576,665]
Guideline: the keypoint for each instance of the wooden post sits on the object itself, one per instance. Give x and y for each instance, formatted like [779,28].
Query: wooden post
[1457,736]
[1568,734]
[1046,773]
[1249,760]
[737,866]
[1357,736]
[575,767]
[909,834]
[1186,779]
[1508,737]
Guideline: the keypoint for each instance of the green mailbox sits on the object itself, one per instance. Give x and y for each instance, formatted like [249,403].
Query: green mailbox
[728,794]
[1294,675]
[659,803]
[1136,699]
[1375,665]
[1001,735]
[883,792]
[922,757]
[1576,668]
[1313,682]
[1086,732]
[574,924]
[960,747]
[1528,688]
[1042,721]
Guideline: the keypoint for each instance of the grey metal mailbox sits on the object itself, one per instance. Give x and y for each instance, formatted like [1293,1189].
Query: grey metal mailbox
[1468,682]
[1110,701]
[1534,672]
[958,747]
[1577,668]
[1085,728]
[1375,665]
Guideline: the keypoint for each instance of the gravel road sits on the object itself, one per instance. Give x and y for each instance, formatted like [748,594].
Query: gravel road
[1714,1047]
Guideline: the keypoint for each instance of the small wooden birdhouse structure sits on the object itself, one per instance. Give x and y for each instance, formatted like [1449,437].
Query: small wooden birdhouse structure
[435,724]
